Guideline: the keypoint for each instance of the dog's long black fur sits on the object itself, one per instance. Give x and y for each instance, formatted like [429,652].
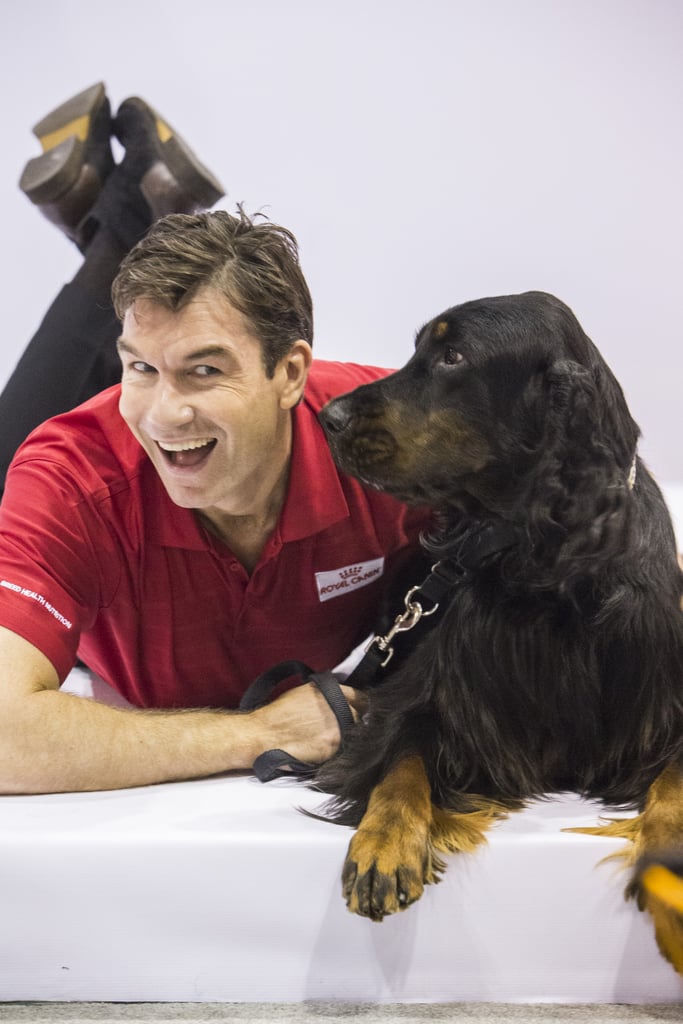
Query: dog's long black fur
[558,664]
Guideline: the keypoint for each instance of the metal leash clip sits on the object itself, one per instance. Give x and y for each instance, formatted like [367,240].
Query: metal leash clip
[402,623]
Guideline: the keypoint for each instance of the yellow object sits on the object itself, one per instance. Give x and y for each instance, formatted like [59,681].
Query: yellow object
[664,885]
[163,131]
[78,127]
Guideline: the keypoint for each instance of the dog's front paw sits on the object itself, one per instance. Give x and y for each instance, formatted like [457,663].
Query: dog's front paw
[383,875]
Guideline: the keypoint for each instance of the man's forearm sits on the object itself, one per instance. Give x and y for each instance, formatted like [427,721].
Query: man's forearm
[57,742]
[53,742]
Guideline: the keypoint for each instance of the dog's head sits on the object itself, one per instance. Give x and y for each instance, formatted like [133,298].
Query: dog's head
[506,406]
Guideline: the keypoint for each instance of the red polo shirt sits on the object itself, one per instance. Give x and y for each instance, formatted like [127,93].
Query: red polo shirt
[96,560]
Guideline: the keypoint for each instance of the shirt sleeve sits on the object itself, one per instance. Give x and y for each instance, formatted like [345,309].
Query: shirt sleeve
[51,563]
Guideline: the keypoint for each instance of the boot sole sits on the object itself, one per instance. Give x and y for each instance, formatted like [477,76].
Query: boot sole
[182,162]
[63,134]
[71,118]
[191,173]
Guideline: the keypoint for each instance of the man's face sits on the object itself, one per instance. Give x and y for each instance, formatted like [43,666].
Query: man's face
[196,396]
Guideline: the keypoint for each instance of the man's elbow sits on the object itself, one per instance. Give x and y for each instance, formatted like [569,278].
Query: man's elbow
[25,765]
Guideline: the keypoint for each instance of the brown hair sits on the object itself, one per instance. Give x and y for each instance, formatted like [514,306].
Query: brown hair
[255,266]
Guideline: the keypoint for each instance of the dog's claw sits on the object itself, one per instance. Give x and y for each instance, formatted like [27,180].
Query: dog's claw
[381,887]
[349,875]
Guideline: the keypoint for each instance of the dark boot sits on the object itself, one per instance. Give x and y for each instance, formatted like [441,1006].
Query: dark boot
[159,174]
[172,179]
[67,178]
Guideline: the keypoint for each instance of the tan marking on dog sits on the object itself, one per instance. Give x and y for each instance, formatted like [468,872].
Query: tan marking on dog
[389,860]
[454,832]
[393,855]
[440,438]
[440,329]
[658,829]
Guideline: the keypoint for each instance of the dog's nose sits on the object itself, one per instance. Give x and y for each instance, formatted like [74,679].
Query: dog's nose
[335,416]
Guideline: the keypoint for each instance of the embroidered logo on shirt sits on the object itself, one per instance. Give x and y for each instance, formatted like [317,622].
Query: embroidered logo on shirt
[350,577]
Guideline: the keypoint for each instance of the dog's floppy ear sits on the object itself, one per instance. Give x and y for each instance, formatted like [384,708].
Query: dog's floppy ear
[580,504]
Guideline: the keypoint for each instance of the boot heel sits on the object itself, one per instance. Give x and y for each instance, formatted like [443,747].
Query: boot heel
[48,176]
[66,179]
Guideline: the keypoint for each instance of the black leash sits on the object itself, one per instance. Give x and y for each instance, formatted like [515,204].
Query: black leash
[274,763]
[420,602]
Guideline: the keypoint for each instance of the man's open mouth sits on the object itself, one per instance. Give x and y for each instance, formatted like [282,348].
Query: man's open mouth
[187,454]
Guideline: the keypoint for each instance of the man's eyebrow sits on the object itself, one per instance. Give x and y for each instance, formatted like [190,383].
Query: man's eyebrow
[207,352]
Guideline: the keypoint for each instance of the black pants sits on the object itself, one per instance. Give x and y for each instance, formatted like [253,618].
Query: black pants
[71,357]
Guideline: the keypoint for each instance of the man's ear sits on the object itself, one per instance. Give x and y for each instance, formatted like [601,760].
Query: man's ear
[293,371]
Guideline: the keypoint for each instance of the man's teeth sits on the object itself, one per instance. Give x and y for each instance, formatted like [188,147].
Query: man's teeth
[184,446]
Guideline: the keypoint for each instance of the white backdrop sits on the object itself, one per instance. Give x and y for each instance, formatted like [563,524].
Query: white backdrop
[424,153]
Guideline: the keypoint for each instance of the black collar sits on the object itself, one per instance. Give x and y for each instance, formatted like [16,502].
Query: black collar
[473,551]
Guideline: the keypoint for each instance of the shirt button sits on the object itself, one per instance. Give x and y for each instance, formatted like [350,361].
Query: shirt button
[235,566]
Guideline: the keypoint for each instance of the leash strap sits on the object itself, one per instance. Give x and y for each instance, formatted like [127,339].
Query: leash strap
[258,692]
[424,600]
[273,764]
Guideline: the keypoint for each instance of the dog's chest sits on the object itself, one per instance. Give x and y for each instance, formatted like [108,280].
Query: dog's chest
[500,649]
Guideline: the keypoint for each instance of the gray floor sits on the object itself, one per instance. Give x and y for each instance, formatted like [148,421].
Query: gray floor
[332,1013]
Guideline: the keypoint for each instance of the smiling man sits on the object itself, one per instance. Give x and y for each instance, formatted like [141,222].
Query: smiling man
[187,529]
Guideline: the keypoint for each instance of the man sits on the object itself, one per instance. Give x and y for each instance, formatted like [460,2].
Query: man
[184,531]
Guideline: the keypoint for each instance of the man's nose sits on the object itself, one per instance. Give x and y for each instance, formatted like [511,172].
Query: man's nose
[169,407]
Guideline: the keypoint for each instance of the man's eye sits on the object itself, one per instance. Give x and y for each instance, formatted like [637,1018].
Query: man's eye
[206,371]
[451,356]
[141,367]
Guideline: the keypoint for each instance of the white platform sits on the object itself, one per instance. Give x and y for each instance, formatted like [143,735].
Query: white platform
[220,890]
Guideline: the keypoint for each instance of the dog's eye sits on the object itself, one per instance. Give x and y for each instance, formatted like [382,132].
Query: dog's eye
[451,356]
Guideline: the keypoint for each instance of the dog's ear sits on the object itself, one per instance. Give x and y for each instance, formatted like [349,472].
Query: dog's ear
[580,506]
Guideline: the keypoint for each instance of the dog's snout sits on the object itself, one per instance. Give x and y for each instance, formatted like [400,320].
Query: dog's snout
[335,416]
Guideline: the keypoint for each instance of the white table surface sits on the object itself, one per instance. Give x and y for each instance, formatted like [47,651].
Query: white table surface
[220,890]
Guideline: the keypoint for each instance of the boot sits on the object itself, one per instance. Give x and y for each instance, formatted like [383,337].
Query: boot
[159,174]
[66,180]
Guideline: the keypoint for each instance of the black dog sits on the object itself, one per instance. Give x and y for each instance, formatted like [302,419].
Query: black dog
[557,662]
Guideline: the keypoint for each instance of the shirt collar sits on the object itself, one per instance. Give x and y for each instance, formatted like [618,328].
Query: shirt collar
[315,498]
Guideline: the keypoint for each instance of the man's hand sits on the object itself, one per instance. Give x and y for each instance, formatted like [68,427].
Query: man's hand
[302,723]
